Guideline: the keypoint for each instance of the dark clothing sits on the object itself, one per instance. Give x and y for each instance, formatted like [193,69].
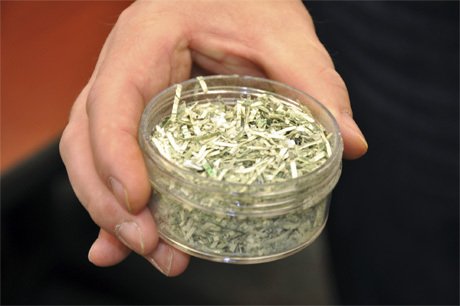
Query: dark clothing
[394,223]
[393,229]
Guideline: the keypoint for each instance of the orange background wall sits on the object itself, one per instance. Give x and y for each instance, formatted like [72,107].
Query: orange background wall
[48,51]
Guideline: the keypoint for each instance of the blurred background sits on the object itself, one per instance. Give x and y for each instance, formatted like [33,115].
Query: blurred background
[393,232]
[49,49]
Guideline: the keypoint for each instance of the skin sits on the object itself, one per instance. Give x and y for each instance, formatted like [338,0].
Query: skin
[155,44]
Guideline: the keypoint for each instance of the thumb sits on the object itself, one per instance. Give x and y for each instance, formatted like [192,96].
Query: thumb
[325,85]
[308,67]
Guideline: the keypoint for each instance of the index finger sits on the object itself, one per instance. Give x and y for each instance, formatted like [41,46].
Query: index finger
[129,75]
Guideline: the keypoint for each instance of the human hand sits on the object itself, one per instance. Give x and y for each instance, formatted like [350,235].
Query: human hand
[155,44]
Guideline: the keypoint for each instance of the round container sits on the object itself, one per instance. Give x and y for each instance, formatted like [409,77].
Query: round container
[230,222]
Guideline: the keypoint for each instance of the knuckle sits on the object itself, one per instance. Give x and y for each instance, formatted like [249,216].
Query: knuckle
[93,96]
[64,143]
[125,16]
[128,16]
[103,211]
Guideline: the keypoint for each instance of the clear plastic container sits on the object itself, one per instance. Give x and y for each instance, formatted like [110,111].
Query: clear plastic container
[229,222]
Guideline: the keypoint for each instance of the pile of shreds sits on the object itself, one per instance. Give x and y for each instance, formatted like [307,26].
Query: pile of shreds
[257,139]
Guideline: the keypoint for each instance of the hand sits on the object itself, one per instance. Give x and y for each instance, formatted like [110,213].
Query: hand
[153,45]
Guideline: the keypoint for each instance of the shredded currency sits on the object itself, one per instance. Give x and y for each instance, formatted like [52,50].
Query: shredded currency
[218,236]
[254,139]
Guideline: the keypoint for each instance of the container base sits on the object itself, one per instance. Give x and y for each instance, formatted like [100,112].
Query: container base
[241,260]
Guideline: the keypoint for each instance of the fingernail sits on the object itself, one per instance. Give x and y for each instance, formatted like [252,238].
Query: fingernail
[130,234]
[162,258]
[120,192]
[351,124]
